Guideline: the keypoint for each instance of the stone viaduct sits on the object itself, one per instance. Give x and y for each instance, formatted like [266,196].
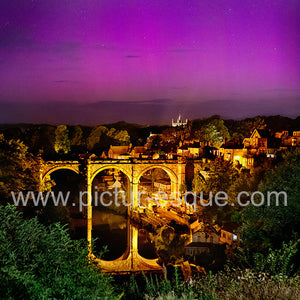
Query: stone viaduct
[130,261]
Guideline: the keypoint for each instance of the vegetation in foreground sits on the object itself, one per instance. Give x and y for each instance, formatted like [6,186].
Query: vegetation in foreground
[230,284]
[39,262]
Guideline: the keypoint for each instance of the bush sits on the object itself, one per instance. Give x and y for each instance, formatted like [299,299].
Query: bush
[39,262]
[278,261]
[267,226]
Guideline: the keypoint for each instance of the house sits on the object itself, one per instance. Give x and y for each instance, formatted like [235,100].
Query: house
[163,185]
[203,243]
[195,149]
[206,237]
[213,234]
[93,157]
[119,152]
[171,155]
[261,142]
[227,237]
[207,247]
[289,140]
[191,149]
[281,134]
[183,151]
[197,248]
[295,140]
[104,155]
[155,156]
[138,152]
[258,140]
[232,152]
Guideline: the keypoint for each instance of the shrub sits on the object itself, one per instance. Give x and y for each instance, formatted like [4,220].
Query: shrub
[39,262]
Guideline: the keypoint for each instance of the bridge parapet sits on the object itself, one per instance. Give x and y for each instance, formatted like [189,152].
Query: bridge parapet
[50,166]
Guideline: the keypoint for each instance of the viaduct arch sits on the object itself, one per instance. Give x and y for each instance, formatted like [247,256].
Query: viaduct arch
[130,261]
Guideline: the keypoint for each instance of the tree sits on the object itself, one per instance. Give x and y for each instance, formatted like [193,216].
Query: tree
[154,142]
[169,244]
[199,183]
[93,140]
[221,127]
[211,130]
[39,262]
[77,142]
[221,176]
[40,137]
[175,135]
[242,129]
[269,225]
[19,169]
[62,142]
[20,172]
[210,134]
[120,137]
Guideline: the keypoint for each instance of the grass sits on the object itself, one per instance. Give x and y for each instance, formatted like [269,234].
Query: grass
[233,284]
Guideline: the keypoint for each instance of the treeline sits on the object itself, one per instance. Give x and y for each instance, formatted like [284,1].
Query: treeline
[80,139]
[77,139]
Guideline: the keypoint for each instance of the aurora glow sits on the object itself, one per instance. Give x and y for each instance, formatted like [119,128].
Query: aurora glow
[189,51]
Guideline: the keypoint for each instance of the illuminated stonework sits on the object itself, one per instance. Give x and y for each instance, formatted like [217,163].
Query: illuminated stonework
[179,122]
[130,261]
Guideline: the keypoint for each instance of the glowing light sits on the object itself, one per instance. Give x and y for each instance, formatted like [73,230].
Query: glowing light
[237,157]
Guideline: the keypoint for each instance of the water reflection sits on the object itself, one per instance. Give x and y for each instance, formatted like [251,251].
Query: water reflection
[110,230]
[109,227]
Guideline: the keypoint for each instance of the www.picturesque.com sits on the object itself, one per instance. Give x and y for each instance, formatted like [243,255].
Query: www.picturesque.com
[191,199]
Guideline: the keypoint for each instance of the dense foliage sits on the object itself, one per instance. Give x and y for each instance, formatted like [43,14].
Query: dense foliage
[39,262]
[62,141]
[269,225]
[18,168]
[169,244]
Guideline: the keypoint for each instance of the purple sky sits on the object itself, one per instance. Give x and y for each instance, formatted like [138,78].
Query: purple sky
[189,52]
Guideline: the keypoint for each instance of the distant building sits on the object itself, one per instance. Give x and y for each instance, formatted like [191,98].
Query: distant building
[179,122]
[163,185]
[195,149]
[260,143]
[183,151]
[203,241]
[138,152]
[289,139]
[119,152]
[258,140]
[104,155]
[197,248]
[116,185]
[227,237]
[204,237]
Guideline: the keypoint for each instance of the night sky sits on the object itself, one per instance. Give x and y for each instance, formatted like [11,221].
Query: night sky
[88,61]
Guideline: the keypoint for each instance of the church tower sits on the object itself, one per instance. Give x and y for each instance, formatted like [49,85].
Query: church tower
[179,122]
